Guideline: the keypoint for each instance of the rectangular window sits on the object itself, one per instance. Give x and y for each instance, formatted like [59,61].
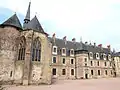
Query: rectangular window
[98,63]
[85,59]
[105,72]
[54,50]
[91,63]
[72,71]
[54,71]
[98,72]
[63,60]
[63,71]
[91,72]
[111,72]
[72,61]
[105,64]
[85,64]
[54,59]
[63,51]
[72,52]
[11,74]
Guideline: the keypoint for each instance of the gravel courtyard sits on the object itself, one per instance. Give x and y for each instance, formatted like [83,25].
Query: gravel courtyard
[90,84]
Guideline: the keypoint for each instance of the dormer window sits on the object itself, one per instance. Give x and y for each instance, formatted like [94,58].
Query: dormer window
[97,56]
[63,51]
[71,52]
[91,55]
[104,56]
[109,57]
[54,49]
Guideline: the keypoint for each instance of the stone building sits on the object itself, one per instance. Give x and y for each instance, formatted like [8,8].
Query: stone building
[29,56]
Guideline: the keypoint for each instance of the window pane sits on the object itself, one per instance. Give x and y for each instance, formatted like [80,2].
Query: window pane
[72,71]
[54,59]
[63,72]
[54,71]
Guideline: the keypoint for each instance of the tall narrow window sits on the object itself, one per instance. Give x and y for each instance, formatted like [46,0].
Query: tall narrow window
[54,59]
[63,72]
[63,60]
[91,63]
[21,49]
[91,72]
[36,50]
[72,71]
[72,61]
[98,63]
[98,72]
[105,72]
[105,64]
[11,74]
[54,71]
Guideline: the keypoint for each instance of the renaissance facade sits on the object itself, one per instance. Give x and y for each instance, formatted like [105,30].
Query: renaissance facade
[29,56]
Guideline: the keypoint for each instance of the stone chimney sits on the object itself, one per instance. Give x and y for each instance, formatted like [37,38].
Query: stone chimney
[64,38]
[108,46]
[94,44]
[74,40]
[53,37]
[86,43]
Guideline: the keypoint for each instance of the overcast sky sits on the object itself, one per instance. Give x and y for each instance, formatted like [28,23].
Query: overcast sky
[93,20]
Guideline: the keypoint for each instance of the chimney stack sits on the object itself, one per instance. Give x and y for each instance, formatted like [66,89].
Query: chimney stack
[94,44]
[53,37]
[64,38]
[108,46]
[86,43]
[74,40]
[100,45]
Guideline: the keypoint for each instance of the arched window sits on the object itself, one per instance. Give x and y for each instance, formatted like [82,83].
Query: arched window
[36,50]
[21,49]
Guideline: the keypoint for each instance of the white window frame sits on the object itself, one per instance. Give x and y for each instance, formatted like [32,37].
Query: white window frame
[91,57]
[104,56]
[62,61]
[64,54]
[71,53]
[70,72]
[109,57]
[55,53]
[98,56]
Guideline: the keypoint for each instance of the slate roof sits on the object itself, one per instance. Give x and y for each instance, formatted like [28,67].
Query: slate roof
[117,54]
[35,25]
[60,43]
[12,21]
[28,13]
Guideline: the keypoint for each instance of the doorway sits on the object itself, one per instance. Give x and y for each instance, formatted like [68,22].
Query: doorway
[86,76]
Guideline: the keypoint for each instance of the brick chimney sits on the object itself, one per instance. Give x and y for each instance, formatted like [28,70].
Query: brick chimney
[100,45]
[94,44]
[108,46]
[86,43]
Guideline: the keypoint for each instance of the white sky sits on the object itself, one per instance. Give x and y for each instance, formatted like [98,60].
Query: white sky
[93,20]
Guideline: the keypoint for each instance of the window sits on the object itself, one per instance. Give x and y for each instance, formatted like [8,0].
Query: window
[54,59]
[11,74]
[72,71]
[91,63]
[104,56]
[54,71]
[63,71]
[36,50]
[85,59]
[63,51]
[97,55]
[91,54]
[91,72]
[72,61]
[98,72]
[110,64]
[63,60]
[98,63]
[111,72]
[105,64]
[21,48]
[55,49]
[85,64]
[72,52]
[105,72]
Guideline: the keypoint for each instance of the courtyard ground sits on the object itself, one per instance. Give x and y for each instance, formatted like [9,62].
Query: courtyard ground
[90,84]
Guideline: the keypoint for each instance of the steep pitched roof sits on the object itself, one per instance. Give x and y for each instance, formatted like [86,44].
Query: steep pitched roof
[35,25]
[12,21]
